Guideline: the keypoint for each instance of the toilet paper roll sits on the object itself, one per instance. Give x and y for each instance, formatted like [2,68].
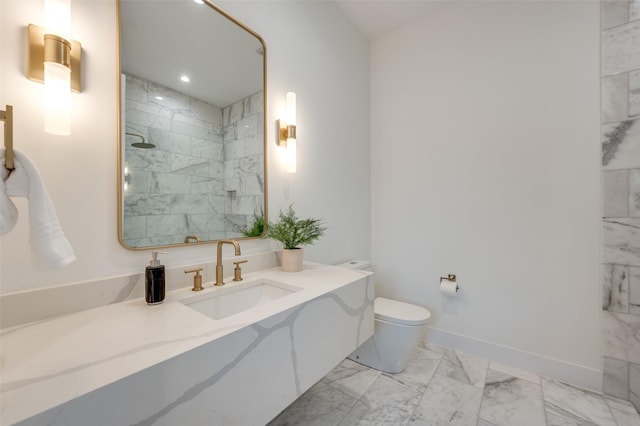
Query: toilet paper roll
[448,288]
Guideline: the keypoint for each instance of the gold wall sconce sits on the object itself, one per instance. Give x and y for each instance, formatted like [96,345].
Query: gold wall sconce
[7,116]
[56,61]
[287,133]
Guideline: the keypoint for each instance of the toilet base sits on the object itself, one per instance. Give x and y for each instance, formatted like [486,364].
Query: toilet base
[390,348]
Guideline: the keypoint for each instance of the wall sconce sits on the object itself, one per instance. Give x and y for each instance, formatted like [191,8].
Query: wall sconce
[287,132]
[56,62]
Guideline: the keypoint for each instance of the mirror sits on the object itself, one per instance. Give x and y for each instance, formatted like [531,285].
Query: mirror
[191,151]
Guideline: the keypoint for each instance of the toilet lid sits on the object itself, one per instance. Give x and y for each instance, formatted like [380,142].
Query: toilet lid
[400,312]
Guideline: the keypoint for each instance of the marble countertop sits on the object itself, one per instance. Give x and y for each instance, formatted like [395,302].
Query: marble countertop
[47,363]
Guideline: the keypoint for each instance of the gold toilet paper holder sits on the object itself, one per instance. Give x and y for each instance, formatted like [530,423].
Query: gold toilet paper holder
[449,277]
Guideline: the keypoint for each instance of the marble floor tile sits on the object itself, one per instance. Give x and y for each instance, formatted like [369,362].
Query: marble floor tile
[448,401]
[353,394]
[559,417]
[508,400]
[351,378]
[465,368]
[562,399]
[419,371]
[623,412]
[324,407]
[386,402]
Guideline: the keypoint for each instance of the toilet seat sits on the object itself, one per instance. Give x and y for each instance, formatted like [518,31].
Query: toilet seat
[399,312]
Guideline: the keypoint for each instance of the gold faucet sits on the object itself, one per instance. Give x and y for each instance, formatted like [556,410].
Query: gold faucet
[235,244]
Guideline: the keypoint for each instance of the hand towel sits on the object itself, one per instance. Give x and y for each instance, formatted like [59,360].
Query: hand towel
[45,235]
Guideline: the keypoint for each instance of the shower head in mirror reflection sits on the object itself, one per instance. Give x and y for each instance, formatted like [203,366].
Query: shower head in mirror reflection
[144,144]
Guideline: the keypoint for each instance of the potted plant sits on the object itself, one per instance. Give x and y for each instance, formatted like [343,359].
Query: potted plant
[294,233]
[256,229]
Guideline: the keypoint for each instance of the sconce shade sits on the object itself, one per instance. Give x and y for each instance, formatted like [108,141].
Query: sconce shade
[55,61]
[287,133]
[57,99]
[57,18]
[291,156]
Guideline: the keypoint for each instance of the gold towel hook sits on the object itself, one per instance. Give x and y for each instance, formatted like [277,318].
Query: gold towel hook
[7,117]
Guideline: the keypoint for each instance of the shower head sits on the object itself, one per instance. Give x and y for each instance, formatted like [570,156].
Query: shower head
[144,144]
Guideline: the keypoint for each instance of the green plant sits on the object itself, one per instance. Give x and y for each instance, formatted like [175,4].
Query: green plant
[257,227]
[294,232]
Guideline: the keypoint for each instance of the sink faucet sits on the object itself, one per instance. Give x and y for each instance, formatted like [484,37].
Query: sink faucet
[235,244]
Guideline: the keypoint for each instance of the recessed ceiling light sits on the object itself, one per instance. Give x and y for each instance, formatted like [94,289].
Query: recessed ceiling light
[199,1]
[185,78]
[160,98]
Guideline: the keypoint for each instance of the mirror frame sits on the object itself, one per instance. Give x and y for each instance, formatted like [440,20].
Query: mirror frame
[120,142]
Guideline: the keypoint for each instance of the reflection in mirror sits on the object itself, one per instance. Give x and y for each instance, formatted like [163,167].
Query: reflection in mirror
[192,149]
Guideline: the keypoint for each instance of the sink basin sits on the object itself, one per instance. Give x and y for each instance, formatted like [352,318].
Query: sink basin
[236,298]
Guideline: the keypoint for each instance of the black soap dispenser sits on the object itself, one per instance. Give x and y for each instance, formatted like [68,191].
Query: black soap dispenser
[154,281]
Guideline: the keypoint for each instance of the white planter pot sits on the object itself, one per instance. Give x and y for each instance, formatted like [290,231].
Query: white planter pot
[292,260]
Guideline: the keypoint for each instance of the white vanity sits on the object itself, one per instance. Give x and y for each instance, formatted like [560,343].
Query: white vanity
[169,364]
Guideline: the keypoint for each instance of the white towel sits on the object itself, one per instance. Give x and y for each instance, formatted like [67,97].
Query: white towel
[46,236]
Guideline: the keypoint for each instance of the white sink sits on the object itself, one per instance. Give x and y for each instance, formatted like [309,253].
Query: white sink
[226,301]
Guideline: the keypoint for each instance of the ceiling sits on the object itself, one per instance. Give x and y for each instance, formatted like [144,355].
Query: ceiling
[159,43]
[163,40]
[376,17]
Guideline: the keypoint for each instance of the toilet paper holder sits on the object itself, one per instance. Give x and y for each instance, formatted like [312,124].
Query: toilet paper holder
[449,277]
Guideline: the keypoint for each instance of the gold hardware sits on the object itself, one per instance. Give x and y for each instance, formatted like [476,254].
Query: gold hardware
[197,279]
[7,117]
[193,237]
[449,277]
[285,132]
[55,49]
[219,271]
[237,272]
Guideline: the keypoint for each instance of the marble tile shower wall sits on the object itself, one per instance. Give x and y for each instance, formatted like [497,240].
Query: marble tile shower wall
[621,198]
[176,188]
[243,126]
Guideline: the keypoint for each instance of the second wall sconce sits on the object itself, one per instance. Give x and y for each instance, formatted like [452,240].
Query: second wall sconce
[56,61]
[287,133]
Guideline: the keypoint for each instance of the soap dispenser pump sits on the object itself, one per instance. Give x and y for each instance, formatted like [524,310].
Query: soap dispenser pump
[154,280]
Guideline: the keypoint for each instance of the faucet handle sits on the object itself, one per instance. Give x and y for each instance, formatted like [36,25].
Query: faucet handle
[237,272]
[197,279]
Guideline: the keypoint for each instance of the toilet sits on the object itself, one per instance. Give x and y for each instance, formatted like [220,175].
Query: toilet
[398,328]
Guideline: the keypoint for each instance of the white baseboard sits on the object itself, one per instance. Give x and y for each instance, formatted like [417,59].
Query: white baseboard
[577,375]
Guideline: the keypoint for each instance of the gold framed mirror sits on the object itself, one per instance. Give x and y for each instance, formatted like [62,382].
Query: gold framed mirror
[192,164]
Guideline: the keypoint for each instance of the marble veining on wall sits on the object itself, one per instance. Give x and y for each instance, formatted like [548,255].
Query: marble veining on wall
[205,174]
[243,161]
[176,188]
[621,198]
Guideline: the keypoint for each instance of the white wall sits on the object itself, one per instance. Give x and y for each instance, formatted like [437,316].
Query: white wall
[485,164]
[329,70]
